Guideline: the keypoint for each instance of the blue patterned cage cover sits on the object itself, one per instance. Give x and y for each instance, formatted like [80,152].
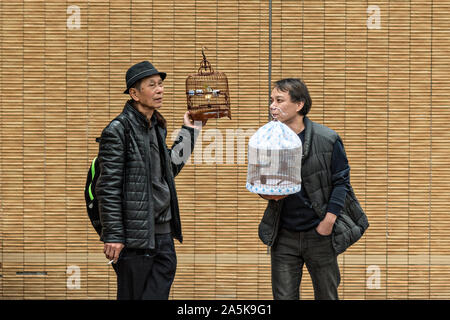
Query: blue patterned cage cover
[274,160]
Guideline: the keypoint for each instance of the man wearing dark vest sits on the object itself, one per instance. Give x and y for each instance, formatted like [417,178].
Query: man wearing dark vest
[322,220]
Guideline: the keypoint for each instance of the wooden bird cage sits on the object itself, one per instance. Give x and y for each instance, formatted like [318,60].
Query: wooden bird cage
[207,93]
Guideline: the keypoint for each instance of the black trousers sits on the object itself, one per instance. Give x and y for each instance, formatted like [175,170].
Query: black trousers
[147,274]
[294,249]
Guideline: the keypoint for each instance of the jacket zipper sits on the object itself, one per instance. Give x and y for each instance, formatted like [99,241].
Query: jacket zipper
[149,192]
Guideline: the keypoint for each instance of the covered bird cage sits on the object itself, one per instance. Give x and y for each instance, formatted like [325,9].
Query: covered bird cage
[274,160]
[207,93]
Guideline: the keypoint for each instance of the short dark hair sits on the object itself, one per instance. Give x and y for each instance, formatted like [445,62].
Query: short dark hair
[297,91]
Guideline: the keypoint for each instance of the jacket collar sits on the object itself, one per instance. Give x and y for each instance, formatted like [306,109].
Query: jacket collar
[308,136]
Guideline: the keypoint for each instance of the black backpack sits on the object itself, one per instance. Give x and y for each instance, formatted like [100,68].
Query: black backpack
[92,176]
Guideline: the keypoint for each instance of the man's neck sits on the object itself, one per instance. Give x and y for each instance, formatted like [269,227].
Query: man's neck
[296,124]
[147,112]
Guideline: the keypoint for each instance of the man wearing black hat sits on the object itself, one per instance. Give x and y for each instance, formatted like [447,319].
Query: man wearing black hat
[136,191]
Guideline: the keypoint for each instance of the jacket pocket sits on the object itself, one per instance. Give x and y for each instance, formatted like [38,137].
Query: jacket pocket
[269,223]
[345,233]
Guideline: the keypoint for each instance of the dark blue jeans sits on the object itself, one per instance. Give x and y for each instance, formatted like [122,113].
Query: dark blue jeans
[294,249]
[147,274]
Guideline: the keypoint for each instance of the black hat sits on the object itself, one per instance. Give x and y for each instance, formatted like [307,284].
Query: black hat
[141,70]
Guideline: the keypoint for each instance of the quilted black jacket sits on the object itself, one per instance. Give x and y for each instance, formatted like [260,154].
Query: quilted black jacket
[124,186]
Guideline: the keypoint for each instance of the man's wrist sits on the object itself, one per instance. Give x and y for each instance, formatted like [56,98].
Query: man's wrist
[330,217]
[192,127]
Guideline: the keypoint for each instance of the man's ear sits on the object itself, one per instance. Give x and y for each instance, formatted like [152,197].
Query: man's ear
[133,94]
[300,106]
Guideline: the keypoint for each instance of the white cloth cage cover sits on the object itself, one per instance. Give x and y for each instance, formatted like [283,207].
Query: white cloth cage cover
[274,160]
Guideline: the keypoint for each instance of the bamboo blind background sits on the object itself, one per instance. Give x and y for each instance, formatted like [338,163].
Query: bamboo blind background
[386,91]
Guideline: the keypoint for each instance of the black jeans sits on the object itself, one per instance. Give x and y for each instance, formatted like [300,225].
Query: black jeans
[147,274]
[288,255]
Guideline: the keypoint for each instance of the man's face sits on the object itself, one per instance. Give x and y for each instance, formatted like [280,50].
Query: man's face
[282,108]
[151,92]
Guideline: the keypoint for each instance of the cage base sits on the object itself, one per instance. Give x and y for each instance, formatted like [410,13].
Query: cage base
[272,190]
[209,114]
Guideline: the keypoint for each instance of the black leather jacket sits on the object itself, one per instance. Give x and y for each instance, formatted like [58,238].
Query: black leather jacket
[124,185]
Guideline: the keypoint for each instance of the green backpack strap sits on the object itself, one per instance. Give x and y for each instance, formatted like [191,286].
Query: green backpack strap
[91,195]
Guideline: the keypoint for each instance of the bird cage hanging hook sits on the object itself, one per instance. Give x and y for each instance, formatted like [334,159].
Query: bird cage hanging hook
[205,66]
